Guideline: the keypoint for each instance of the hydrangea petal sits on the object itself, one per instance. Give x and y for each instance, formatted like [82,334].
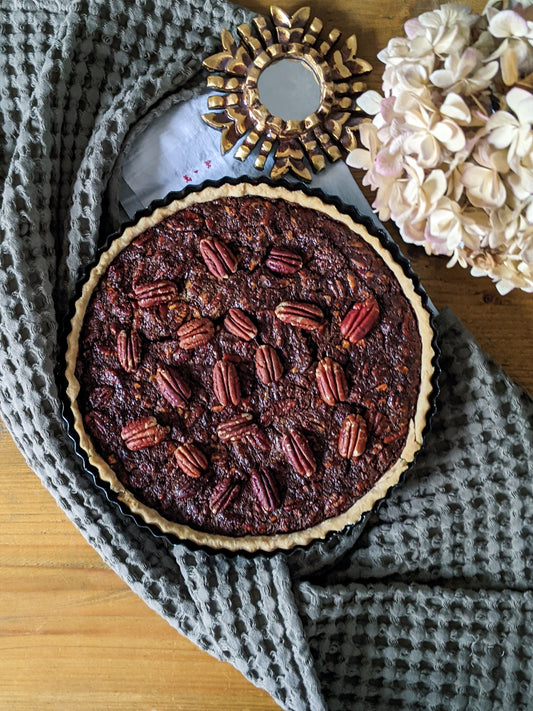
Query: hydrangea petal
[359,158]
[370,102]
[520,102]
[450,134]
[508,23]
[435,185]
[413,28]
[502,137]
[389,164]
[455,107]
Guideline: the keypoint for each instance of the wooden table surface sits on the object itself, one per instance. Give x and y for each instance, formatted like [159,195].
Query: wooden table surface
[72,634]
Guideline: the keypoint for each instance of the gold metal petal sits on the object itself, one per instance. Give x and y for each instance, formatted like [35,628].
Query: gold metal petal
[313,31]
[231,84]
[263,30]
[253,45]
[325,47]
[335,124]
[280,17]
[352,87]
[228,42]
[266,148]
[295,145]
[232,61]
[241,120]
[233,124]
[248,145]
[301,17]
[313,151]
[289,158]
[217,120]
[332,150]
[222,102]
[290,29]
[361,66]
[342,127]
[217,62]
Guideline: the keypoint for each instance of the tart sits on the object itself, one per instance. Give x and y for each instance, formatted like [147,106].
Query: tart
[249,368]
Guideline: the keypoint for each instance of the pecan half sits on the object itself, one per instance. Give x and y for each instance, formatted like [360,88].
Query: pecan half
[240,325]
[331,381]
[299,453]
[98,422]
[259,439]
[379,424]
[224,493]
[360,319]
[352,437]
[226,385]
[299,314]
[129,350]
[268,365]
[195,333]
[142,433]
[237,428]
[101,396]
[265,488]
[190,460]
[173,386]
[218,257]
[155,294]
[283,261]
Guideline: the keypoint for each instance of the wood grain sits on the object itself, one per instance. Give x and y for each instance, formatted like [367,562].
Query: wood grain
[72,634]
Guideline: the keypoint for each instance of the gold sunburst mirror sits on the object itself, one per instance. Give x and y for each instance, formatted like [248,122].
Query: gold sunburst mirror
[286,91]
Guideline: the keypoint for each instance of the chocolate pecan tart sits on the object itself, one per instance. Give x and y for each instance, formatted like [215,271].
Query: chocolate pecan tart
[249,368]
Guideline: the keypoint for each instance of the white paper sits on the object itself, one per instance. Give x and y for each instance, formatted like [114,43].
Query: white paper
[180,149]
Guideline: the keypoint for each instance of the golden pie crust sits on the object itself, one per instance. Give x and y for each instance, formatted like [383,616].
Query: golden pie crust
[252,543]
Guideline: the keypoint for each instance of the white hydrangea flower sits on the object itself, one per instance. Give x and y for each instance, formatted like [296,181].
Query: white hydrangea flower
[383,200]
[516,50]
[504,226]
[482,179]
[408,65]
[455,175]
[477,227]
[421,191]
[364,158]
[513,130]
[446,226]
[509,24]
[447,29]
[414,233]
[427,133]
[456,108]
[409,77]
[464,73]
[401,50]
[399,206]
[520,180]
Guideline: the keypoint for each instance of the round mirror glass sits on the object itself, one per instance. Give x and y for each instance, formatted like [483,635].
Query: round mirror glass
[290,89]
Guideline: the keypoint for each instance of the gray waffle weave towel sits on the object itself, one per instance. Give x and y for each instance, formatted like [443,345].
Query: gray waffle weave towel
[430,604]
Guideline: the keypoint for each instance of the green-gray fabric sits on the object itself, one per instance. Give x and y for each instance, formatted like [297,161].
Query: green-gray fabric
[430,603]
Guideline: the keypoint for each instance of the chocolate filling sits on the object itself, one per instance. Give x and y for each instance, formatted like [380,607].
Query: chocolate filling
[199,428]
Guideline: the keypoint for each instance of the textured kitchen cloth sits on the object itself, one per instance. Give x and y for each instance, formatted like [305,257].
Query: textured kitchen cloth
[428,605]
